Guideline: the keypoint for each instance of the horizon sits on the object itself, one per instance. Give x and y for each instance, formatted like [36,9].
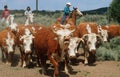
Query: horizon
[50,5]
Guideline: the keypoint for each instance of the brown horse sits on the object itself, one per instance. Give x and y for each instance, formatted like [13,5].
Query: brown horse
[71,19]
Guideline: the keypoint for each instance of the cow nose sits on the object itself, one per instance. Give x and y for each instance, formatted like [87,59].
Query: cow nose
[93,51]
[105,41]
[72,57]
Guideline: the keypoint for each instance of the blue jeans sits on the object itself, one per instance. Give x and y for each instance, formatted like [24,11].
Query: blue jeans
[63,19]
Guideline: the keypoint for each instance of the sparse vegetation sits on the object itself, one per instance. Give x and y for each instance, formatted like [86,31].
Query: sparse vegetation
[107,51]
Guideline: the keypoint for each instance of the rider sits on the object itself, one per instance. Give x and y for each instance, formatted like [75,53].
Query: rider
[28,11]
[5,13]
[66,12]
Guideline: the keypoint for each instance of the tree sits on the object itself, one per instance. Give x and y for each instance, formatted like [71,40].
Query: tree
[114,11]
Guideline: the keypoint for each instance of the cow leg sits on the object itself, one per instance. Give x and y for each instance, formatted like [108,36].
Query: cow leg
[43,64]
[91,58]
[85,57]
[3,51]
[6,53]
[11,57]
[23,63]
[66,67]
[55,63]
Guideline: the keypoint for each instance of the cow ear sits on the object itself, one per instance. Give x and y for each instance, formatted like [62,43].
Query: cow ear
[85,37]
[99,39]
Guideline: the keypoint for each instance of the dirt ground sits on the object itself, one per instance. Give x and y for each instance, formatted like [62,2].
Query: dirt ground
[99,69]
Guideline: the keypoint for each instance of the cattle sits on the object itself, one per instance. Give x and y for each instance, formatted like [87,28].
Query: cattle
[27,44]
[73,47]
[21,30]
[53,44]
[89,33]
[103,33]
[7,44]
[113,30]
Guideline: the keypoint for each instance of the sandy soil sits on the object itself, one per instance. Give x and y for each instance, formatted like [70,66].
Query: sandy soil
[99,69]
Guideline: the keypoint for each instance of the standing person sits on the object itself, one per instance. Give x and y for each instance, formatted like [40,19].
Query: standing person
[66,12]
[28,11]
[5,13]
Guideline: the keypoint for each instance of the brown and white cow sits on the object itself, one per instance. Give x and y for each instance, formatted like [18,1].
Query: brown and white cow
[7,44]
[27,40]
[89,33]
[53,44]
[103,33]
[113,30]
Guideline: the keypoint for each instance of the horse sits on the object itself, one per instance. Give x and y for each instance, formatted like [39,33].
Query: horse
[71,19]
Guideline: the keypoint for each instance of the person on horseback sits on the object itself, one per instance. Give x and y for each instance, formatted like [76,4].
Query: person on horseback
[66,12]
[5,13]
[28,11]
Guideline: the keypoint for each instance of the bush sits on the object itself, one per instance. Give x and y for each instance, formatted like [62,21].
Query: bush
[109,51]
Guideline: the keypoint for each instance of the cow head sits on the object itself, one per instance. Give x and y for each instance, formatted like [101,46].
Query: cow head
[73,46]
[27,40]
[90,41]
[64,35]
[103,33]
[9,42]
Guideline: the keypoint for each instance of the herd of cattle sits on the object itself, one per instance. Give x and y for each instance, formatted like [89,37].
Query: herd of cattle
[57,42]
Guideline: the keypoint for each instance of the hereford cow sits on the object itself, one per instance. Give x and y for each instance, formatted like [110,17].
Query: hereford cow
[103,33]
[113,30]
[7,44]
[53,44]
[89,33]
[27,44]
[21,31]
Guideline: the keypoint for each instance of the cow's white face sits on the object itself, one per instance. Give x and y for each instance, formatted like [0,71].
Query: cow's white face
[73,46]
[27,40]
[27,31]
[104,35]
[9,43]
[64,34]
[91,41]
[13,27]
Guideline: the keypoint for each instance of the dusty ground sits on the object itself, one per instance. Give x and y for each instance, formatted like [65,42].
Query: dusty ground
[99,69]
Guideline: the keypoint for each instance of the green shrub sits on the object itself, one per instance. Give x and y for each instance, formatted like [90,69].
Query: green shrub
[109,51]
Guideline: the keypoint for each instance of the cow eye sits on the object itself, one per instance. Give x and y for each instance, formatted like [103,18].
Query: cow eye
[89,42]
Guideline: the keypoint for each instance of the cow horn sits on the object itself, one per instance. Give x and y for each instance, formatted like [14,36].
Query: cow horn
[81,39]
[72,30]
[84,36]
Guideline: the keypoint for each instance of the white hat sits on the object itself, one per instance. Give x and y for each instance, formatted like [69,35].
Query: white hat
[68,3]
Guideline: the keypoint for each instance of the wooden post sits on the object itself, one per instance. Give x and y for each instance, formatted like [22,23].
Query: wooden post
[37,7]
